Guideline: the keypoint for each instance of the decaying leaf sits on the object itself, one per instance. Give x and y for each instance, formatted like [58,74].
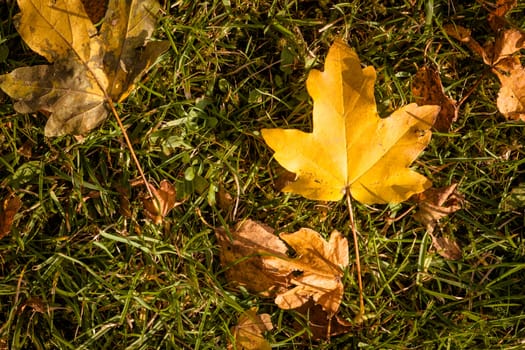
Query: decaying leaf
[496,18]
[499,54]
[248,333]
[447,247]
[351,148]
[90,69]
[8,210]
[164,199]
[95,9]
[511,96]
[319,265]
[436,203]
[428,90]
[242,254]
[320,325]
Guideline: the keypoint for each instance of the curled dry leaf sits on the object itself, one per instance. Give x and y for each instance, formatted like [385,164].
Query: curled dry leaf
[511,96]
[496,17]
[95,9]
[89,70]
[428,90]
[319,323]
[248,333]
[500,56]
[10,207]
[447,247]
[436,203]
[320,266]
[164,199]
[242,254]
[352,149]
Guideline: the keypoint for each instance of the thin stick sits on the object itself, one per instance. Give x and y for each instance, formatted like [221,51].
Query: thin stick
[357,258]
[128,143]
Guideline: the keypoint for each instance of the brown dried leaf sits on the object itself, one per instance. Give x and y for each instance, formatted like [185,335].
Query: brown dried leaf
[428,90]
[163,200]
[446,247]
[248,333]
[95,9]
[242,256]
[507,43]
[496,17]
[436,203]
[320,324]
[10,207]
[464,35]
[511,96]
[320,264]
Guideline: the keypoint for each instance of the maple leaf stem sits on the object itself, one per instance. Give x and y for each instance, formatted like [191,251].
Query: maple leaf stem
[357,257]
[130,146]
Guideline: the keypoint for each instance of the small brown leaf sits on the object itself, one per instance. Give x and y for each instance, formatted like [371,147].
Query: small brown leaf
[464,35]
[436,203]
[511,96]
[446,247]
[224,198]
[95,9]
[10,207]
[35,303]
[242,255]
[320,324]
[163,200]
[428,90]
[248,333]
[507,43]
[496,18]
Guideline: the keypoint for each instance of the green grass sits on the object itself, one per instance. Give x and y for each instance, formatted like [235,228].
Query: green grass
[76,273]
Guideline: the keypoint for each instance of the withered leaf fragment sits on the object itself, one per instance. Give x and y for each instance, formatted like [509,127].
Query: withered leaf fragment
[89,70]
[322,326]
[242,255]
[248,333]
[8,210]
[436,203]
[496,18]
[164,199]
[447,247]
[320,265]
[500,55]
[428,90]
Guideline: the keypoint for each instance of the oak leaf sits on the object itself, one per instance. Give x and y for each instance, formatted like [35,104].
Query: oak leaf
[248,333]
[89,70]
[351,148]
[319,265]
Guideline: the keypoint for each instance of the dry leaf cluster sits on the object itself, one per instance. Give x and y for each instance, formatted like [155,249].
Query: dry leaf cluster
[502,55]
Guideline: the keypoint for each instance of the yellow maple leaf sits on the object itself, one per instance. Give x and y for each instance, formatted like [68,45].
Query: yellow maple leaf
[89,69]
[351,148]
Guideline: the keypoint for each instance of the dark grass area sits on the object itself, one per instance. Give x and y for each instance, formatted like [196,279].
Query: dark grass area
[83,268]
